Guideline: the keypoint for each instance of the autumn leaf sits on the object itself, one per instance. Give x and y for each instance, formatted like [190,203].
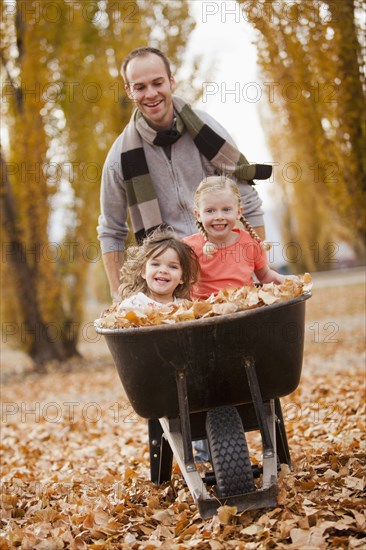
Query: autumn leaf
[83,481]
[226,513]
[225,302]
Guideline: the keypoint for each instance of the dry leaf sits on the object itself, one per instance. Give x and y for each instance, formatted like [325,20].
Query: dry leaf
[307,538]
[226,513]
[253,529]
[85,484]
[224,309]
[225,302]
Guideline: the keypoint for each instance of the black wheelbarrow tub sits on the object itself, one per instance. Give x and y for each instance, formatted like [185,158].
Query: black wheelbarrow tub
[212,353]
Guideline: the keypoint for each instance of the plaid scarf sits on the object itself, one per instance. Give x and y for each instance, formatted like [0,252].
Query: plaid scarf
[141,198]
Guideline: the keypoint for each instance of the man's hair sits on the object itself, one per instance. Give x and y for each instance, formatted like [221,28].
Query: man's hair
[140,52]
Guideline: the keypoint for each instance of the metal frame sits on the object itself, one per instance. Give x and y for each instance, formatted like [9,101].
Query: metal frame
[174,436]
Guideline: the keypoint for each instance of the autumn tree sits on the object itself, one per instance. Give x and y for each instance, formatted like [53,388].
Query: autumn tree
[312,64]
[62,108]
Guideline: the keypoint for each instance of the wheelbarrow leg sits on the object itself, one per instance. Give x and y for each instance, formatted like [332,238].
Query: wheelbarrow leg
[180,379]
[178,433]
[282,444]
[267,440]
[161,455]
[270,462]
[172,430]
[266,423]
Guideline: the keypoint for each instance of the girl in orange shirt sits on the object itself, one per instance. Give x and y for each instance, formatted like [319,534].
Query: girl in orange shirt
[228,255]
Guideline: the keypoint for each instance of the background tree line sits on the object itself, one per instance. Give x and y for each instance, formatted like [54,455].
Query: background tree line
[63,105]
[312,54]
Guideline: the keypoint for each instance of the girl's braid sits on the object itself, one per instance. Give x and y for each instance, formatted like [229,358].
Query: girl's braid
[209,249]
[252,232]
[201,229]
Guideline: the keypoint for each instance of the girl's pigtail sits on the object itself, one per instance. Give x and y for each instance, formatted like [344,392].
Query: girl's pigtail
[252,232]
[201,229]
[209,249]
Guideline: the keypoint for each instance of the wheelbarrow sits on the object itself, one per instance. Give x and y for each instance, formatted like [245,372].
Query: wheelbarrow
[215,379]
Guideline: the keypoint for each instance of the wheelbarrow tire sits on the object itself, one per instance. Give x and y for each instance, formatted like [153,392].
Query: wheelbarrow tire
[229,452]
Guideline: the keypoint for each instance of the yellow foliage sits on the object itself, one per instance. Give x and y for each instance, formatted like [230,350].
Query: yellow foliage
[63,111]
[311,53]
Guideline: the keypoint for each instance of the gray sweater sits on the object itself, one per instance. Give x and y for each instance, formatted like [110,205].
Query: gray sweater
[175,182]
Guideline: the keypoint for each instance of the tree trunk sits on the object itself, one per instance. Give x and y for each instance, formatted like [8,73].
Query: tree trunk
[42,345]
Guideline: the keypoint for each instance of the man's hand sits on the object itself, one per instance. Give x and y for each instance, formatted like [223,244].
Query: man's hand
[261,232]
[113,262]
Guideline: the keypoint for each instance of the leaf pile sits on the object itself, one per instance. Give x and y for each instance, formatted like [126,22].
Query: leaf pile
[75,460]
[226,301]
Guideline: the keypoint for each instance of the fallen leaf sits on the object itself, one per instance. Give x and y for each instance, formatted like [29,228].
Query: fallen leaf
[226,513]
[253,529]
[307,538]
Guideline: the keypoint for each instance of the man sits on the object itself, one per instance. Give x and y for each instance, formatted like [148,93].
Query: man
[155,165]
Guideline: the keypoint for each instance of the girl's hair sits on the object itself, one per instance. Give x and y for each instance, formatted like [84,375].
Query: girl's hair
[222,183]
[153,246]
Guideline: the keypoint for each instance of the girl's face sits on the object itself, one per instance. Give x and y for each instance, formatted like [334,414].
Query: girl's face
[163,273]
[218,212]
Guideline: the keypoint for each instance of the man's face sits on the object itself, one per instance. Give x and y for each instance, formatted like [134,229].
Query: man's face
[151,89]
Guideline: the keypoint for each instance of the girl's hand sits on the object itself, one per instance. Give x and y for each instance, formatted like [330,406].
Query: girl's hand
[293,278]
[267,275]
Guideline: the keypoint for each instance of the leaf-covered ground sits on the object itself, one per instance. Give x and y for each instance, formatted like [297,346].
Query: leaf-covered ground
[75,464]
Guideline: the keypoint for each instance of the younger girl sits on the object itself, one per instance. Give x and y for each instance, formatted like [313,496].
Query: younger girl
[227,254]
[158,272]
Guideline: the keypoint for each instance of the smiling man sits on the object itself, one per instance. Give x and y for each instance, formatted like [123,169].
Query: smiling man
[154,167]
[150,86]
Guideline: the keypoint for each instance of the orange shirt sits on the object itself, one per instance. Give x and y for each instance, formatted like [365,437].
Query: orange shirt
[231,267]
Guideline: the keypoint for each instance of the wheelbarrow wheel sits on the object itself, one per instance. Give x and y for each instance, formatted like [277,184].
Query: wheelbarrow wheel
[229,452]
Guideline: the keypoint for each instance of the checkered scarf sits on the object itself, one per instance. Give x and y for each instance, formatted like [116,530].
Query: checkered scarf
[141,198]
